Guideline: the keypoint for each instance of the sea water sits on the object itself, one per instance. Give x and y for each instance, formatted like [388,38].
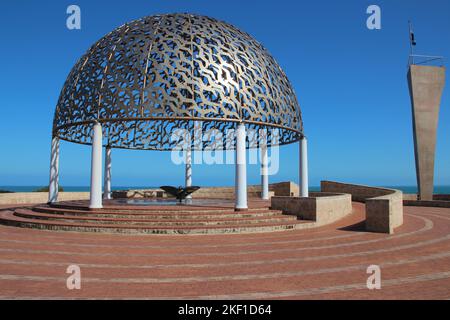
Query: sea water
[405,189]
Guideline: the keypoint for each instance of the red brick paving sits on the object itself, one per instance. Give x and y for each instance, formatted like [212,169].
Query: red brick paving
[324,263]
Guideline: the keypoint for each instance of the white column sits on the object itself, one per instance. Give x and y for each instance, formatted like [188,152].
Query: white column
[96,168]
[54,171]
[303,168]
[241,169]
[107,174]
[264,173]
[188,173]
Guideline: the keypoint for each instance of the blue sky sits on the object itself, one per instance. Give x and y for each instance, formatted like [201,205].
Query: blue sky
[350,82]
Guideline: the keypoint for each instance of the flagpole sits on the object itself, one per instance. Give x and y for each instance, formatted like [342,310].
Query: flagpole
[411,49]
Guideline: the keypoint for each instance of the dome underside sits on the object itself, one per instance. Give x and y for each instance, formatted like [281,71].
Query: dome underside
[152,76]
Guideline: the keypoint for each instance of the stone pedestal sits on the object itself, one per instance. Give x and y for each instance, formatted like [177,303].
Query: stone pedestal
[425,86]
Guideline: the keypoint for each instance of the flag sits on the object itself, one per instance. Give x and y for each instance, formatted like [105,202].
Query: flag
[413,41]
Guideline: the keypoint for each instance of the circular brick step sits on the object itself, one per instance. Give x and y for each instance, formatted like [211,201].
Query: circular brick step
[117,217]
[168,220]
[114,207]
[9,218]
[159,214]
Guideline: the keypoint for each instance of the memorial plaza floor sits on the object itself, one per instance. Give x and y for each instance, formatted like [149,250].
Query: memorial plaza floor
[328,262]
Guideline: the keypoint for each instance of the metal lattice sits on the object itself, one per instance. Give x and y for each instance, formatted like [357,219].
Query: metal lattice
[157,74]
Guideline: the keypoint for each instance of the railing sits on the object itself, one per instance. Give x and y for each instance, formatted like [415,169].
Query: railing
[418,59]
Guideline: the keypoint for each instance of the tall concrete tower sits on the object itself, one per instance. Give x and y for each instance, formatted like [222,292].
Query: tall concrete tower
[426,83]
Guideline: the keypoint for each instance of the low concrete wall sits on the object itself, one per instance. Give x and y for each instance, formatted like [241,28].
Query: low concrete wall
[359,192]
[288,189]
[441,197]
[409,196]
[427,203]
[253,191]
[439,201]
[39,197]
[384,207]
[203,193]
[139,193]
[321,207]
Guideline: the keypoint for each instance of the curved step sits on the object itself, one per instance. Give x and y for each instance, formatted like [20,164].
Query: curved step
[82,207]
[8,218]
[159,214]
[169,221]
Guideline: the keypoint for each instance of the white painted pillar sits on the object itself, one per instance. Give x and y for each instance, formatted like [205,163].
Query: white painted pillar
[54,171]
[96,168]
[107,174]
[241,169]
[188,173]
[264,173]
[303,168]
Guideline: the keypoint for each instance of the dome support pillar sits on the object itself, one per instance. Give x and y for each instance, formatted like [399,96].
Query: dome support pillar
[107,174]
[303,167]
[188,172]
[54,171]
[96,168]
[264,173]
[241,170]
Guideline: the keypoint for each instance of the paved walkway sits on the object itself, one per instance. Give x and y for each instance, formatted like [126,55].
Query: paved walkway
[324,263]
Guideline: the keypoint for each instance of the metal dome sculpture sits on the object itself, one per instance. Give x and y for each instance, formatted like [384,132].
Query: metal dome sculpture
[159,73]
[177,82]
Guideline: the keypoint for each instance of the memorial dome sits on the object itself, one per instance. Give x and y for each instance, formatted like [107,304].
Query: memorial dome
[151,76]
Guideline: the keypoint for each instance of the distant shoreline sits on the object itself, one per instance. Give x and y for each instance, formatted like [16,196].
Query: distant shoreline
[405,189]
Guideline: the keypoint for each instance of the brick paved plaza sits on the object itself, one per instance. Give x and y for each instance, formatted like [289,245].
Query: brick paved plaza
[324,263]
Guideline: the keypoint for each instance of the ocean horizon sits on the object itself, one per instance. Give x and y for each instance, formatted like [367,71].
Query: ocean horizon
[405,189]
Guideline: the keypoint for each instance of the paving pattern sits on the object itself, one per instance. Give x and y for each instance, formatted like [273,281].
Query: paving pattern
[321,263]
[203,216]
